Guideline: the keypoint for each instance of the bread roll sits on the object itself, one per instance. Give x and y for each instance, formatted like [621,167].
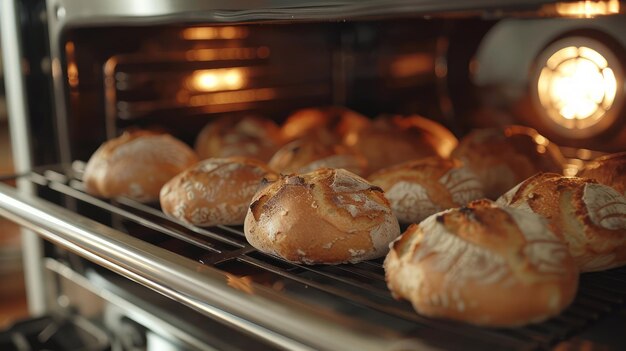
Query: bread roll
[327,124]
[307,154]
[250,136]
[483,264]
[437,135]
[216,191]
[326,216]
[590,217]
[136,165]
[418,189]
[392,140]
[608,170]
[503,158]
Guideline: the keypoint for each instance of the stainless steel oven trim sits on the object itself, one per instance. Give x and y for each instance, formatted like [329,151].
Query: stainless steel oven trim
[19,125]
[94,12]
[266,314]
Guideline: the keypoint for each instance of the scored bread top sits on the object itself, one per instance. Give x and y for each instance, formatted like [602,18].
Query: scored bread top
[503,158]
[388,141]
[466,263]
[215,191]
[326,216]
[417,189]
[250,136]
[590,217]
[608,170]
[308,154]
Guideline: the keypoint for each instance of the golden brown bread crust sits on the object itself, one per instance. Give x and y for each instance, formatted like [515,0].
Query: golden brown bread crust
[437,135]
[326,124]
[216,191]
[503,158]
[392,140]
[484,265]
[308,154]
[326,216]
[590,217]
[418,189]
[136,165]
[250,136]
[608,170]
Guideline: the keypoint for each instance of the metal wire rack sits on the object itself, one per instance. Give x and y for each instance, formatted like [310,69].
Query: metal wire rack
[355,291]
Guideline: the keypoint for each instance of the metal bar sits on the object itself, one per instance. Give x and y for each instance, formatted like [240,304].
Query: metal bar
[64,189]
[393,310]
[94,12]
[7,177]
[156,213]
[262,312]
[17,108]
[361,272]
[384,294]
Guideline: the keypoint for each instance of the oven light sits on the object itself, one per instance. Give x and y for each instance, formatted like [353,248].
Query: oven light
[588,8]
[576,87]
[217,79]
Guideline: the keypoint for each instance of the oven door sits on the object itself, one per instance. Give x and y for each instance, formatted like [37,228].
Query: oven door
[158,283]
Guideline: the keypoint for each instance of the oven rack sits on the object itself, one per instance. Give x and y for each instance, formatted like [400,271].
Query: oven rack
[215,271]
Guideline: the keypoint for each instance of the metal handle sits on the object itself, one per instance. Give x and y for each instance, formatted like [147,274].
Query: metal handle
[260,311]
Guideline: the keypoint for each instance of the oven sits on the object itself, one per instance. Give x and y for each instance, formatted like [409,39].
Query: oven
[79,72]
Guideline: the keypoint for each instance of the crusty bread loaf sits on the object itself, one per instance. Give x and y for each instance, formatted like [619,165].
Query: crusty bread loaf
[250,136]
[503,158]
[216,191]
[436,134]
[326,124]
[608,170]
[590,217]
[326,216]
[392,140]
[308,154]
[484,265]
[417,189]
[136,165]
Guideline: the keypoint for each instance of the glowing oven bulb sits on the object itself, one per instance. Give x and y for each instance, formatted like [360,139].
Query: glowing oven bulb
[576,87]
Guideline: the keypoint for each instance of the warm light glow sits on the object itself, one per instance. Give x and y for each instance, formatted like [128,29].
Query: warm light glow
[233,97]
[217,79]
[207,33]
[244,284]
[72,68]
[576,87]
[412,65]
[588,8]
[226,54]
[72,74]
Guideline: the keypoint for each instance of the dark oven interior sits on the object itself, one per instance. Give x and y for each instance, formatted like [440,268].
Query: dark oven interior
[463,71]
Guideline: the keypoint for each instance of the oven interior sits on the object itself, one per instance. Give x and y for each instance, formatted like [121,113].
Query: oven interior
[462,71]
